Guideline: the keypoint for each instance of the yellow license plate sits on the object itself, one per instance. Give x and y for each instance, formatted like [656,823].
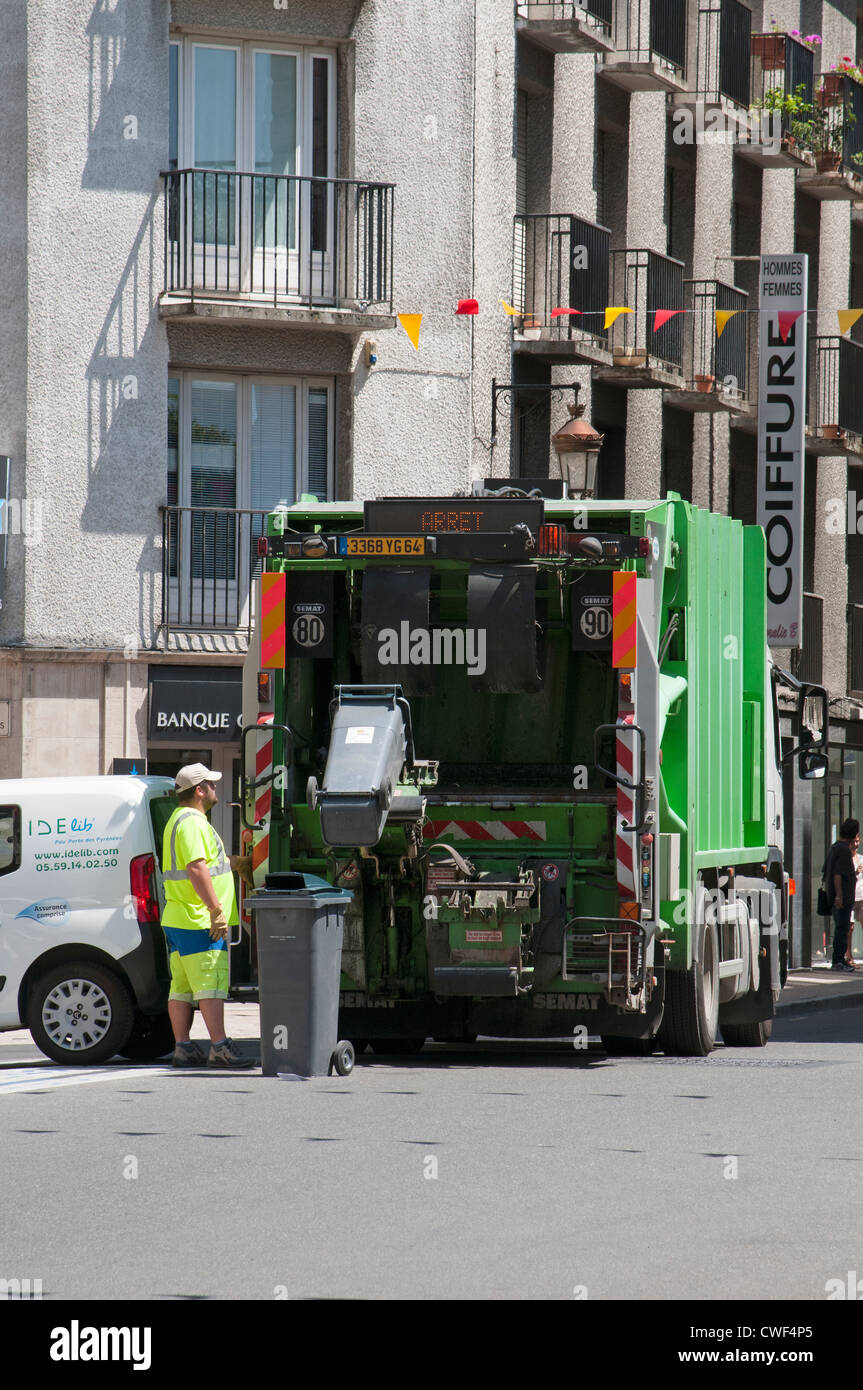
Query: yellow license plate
[386,545]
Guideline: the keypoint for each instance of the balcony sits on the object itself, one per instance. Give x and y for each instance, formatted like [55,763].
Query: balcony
[834,413]
[277,249]
[781,88]
[561,262]
[807,661]
[645,282]
[209,564]
[716,368]
[722,77]
[651,47]
[835,137]
[855,649]
[563,26]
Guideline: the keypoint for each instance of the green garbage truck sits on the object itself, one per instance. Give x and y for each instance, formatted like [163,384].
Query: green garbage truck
[539,740]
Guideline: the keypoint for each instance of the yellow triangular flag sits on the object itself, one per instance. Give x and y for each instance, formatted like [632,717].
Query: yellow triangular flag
[722,317]
[509,309]
[614,313]
[847,319]
[411,325]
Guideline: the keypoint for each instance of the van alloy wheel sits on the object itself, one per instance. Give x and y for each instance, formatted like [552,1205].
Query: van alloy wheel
[76,1015]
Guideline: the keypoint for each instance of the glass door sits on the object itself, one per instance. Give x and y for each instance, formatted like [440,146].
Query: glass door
[213,209]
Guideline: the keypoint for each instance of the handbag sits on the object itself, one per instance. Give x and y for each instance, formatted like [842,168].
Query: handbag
[824,907]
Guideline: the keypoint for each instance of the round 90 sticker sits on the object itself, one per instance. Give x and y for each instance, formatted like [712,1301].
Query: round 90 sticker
[595,622]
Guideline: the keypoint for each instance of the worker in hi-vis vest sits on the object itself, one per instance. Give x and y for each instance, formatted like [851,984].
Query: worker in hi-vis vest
[200,906]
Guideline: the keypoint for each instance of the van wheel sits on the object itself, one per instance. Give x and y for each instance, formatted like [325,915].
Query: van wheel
[152,1037]
[80,1014]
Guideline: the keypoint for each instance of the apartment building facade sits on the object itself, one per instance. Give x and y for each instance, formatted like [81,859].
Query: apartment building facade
[214,213]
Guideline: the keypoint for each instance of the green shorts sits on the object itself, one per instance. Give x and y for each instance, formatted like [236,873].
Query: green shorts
[203,975]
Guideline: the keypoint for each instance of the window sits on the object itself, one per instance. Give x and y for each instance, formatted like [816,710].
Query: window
[10,839]
[237,446]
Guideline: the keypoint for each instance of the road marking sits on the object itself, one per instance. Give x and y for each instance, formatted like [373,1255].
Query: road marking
[44,1078]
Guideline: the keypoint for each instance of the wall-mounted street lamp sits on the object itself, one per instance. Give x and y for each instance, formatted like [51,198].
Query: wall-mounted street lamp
[578,445]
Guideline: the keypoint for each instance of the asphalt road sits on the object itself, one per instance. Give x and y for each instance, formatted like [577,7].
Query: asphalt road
[523,1171]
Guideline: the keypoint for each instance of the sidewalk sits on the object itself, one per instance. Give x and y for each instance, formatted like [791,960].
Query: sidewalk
[819,988]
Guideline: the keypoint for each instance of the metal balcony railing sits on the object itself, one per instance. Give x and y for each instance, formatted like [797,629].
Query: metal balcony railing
[782,68]
[835,391]
[643,282]
[807,661]
[838,123]
[601,12]
[653,29]
[209,563]
[561,262]
[724,359]
[855,649]
[322,243]
[724,29]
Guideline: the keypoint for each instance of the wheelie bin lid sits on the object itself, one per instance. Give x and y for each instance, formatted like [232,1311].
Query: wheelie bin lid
[301,885]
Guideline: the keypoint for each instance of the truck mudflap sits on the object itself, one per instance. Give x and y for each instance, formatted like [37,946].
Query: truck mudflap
[611,952]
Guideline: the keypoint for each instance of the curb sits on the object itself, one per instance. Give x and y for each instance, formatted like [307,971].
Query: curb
[845,1000]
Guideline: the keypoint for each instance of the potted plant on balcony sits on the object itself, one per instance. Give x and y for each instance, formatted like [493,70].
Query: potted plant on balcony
[791,109]
[824,134]
[704,381]
[770,48]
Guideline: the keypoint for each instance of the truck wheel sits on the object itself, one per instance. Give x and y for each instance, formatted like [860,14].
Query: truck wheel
[691,1015]
[396,1047]
[746,1034]
[629,1047]
[152,1037]
[80,1014]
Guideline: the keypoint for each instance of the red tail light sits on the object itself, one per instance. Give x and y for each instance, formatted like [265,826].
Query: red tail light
[142,872]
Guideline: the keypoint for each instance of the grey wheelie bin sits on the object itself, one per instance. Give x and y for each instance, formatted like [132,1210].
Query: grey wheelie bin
[300,925]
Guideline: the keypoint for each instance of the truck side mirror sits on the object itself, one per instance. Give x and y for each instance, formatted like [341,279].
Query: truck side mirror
[812,765]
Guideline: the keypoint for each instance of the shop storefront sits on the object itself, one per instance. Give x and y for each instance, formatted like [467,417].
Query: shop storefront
[195,714]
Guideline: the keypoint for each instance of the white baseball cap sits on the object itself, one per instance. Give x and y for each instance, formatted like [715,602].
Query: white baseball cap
[192,774]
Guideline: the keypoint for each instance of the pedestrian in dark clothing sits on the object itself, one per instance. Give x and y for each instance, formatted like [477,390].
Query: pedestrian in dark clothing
[840,880]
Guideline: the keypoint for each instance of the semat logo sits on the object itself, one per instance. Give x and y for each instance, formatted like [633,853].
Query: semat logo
[77,1343]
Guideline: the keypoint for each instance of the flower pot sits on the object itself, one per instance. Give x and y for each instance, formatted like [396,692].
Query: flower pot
[630,357]
[831,431]
[703,382]
[833,91]
[770,48]
[827,161]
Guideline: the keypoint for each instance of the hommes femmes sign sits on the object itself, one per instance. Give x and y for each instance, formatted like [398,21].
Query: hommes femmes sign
[781,423]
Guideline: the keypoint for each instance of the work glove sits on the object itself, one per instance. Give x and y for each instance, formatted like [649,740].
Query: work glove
[242,865]
[218,924]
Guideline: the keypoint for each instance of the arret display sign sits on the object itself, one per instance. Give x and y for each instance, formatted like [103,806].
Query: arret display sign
[781,424]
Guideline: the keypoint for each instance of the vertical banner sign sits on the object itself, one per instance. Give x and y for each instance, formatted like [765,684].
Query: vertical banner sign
[781,421]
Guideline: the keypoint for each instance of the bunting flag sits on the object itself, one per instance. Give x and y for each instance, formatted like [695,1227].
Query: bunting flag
[612,313]
[468,306]
[556,313]
[787,317]
[411,325]
[722,317]
[508,309]
[662,316]
[847,319]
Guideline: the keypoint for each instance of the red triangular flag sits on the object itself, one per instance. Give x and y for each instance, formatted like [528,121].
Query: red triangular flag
[786,318]
[662,316]
[468,306]
[555,313]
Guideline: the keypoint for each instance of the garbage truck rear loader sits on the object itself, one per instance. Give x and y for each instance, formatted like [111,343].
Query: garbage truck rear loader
[539,741]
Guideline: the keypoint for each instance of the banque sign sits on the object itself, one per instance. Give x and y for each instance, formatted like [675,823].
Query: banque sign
[781,422]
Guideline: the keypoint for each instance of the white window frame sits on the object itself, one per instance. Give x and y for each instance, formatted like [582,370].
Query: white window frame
[187,595]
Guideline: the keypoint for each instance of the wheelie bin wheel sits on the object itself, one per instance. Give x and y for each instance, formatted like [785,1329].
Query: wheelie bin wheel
[342,1059]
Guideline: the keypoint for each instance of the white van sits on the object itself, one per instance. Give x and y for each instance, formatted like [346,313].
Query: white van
[83,962]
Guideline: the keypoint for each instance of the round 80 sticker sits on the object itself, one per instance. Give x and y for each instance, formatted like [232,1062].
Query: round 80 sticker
[308,631]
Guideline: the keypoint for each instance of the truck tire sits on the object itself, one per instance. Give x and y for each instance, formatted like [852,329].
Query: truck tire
[80,1014]
[151,1037]
[747,1034]
[691,1015]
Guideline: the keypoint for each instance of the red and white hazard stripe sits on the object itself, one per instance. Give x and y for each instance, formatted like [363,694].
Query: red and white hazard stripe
[485,829]
[263,803]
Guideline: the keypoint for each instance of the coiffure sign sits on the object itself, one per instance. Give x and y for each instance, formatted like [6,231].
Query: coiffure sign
[781,421]
[201,700]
